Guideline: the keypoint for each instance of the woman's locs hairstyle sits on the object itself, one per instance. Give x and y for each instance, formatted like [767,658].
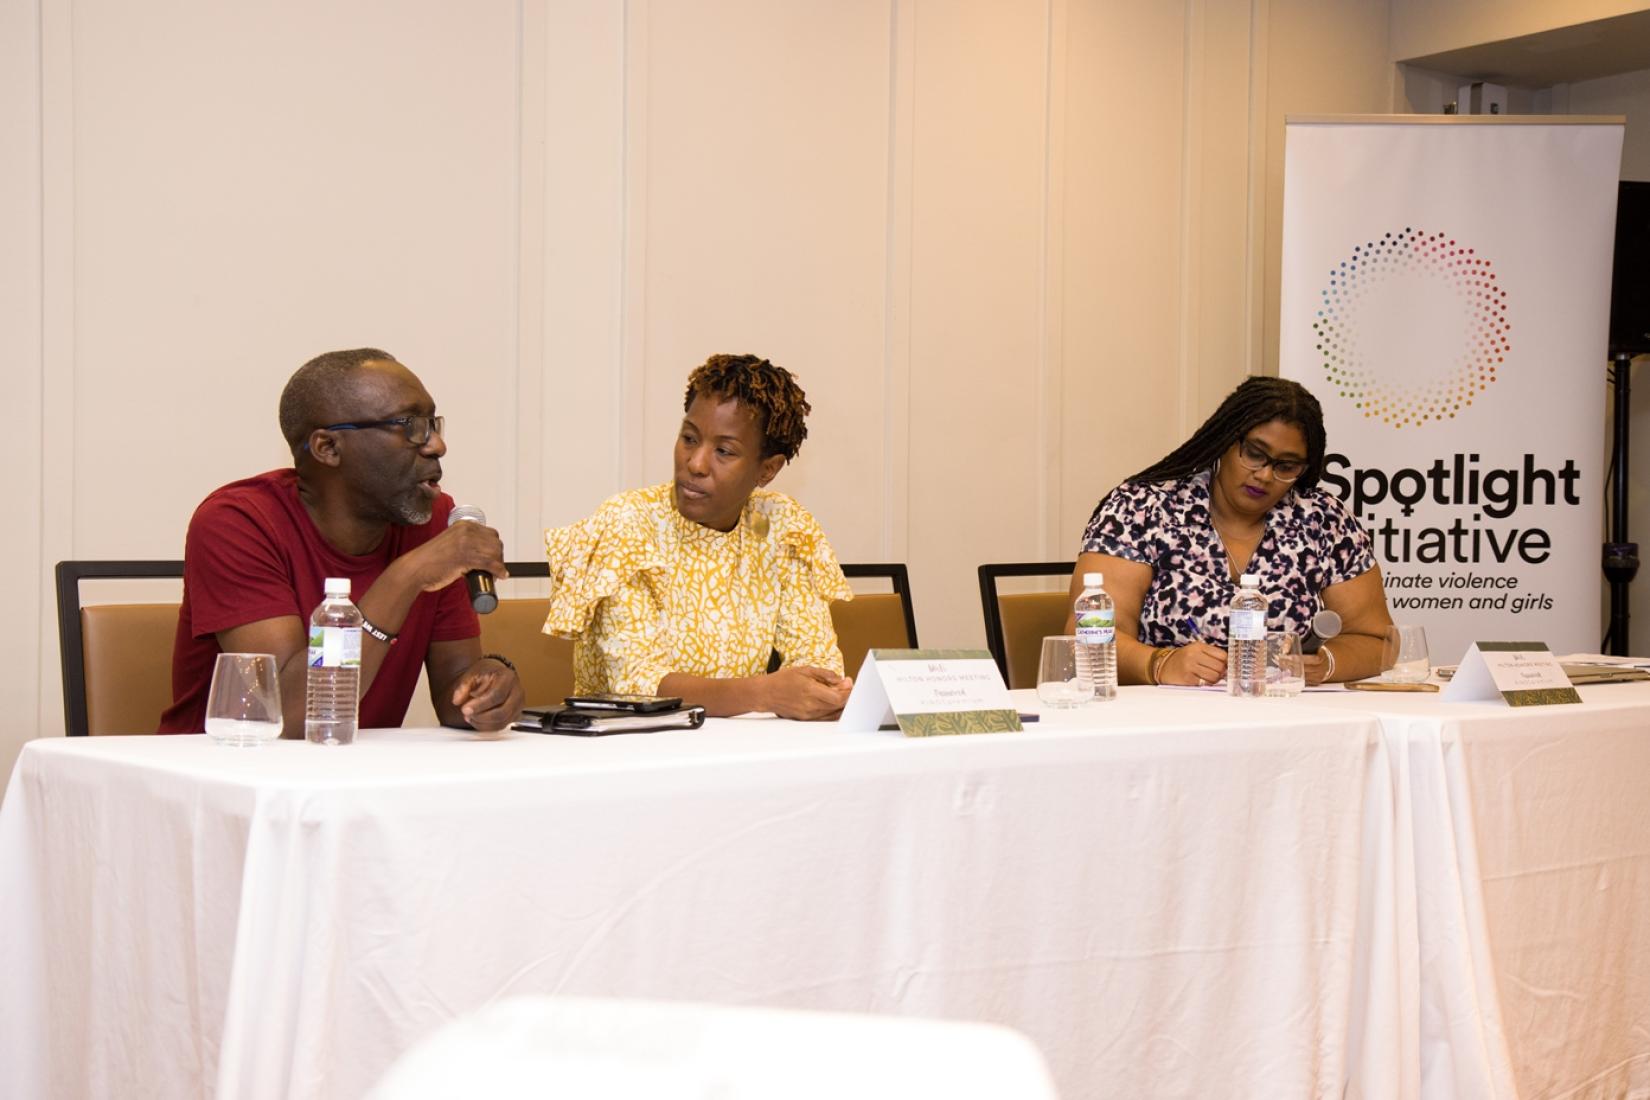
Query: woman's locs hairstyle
[1256,401]
[769,391]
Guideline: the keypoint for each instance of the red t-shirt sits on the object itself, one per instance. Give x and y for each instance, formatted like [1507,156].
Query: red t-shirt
[253,553]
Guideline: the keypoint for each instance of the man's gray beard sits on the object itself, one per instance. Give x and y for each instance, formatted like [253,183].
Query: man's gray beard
[412,510]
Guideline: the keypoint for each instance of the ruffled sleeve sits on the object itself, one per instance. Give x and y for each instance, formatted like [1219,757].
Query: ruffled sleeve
[606,578]
[811,579]
[593,559]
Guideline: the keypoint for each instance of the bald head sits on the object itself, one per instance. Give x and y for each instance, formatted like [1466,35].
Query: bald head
[322,390]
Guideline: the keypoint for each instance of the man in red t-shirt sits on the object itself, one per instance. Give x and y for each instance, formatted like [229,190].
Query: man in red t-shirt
[362,501]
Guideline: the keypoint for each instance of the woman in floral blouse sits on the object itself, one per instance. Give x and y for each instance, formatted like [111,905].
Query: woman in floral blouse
[1240,496]
[690,587]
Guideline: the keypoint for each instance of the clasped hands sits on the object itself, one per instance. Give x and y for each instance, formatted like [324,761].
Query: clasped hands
[807,693]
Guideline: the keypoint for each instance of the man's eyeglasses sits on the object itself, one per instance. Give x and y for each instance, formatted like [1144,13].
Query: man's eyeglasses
[417,429]
[1284,469]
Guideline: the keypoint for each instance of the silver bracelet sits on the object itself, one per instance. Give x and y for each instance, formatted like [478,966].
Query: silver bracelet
[1329,656]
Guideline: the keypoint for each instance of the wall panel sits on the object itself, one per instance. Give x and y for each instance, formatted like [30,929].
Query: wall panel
[978,148]
[275,183]
[767,229]
[26,671]
[1127,228]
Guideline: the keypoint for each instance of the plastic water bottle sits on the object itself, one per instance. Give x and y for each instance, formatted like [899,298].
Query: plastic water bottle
[334,688]
[1246,640]
[1096,638]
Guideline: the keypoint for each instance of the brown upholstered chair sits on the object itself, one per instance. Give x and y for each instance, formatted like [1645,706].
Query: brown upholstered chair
[116,658]
[516,629]
[1017,623]
[875,620]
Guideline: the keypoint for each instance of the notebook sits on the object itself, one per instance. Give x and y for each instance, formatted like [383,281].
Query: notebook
[584,722]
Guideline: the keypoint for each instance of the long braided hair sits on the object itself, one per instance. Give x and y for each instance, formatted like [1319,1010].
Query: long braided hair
[769,391]
[1256,401]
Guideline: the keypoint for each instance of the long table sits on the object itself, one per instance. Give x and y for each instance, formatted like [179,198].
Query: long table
[1172,894]
[1519,957]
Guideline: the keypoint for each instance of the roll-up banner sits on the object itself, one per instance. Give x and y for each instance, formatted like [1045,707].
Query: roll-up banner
[1446,295]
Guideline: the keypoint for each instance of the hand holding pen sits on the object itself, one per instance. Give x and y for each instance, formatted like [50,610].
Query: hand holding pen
[1195,664]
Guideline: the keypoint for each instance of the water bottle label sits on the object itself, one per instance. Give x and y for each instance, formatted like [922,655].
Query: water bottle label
[1097,627]
[1248,626]
[334,647]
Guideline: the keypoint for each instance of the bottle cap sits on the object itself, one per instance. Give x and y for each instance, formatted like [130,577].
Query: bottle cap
[1250,580]
[337,586]
[1093,580]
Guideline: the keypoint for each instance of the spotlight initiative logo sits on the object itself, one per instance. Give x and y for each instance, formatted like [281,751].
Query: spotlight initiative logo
[1411,327]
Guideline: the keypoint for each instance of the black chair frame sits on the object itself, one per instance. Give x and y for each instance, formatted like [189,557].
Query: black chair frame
[989,575]
[898,576]
[71,640]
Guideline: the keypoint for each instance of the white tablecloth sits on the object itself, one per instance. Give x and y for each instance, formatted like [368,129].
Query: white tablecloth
[1520,903]
[1163,892]
[528,1048]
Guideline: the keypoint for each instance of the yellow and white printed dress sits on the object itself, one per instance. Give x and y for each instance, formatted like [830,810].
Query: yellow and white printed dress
[644,592]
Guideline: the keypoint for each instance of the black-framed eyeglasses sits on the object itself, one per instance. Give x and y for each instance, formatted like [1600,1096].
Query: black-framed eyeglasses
[1284,469]
[417,429]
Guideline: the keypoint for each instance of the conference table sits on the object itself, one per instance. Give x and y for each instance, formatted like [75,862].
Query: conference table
[1173,894]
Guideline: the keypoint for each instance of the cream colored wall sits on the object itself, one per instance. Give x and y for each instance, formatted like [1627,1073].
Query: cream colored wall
[1422,27]
[1321,59]
[1014,248]
[22,654]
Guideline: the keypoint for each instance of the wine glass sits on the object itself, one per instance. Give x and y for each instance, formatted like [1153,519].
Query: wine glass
[1404,657]
[243,707]
[1058,684]
[1285,666]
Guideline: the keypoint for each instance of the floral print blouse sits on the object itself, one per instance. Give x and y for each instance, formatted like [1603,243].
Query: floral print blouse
[645,592]
[1311,542]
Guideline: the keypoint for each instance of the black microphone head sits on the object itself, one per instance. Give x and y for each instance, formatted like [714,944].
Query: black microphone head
[466,513]
[483,596]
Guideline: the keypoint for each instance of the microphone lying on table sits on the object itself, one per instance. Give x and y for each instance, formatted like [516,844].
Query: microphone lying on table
[479,581]
[1326,624]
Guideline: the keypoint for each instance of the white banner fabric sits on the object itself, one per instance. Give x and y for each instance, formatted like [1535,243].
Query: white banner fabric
[1446,295]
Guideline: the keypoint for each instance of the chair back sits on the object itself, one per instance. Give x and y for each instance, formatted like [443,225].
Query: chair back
[874,620]
[116,658]
[1017,623]
[516,629]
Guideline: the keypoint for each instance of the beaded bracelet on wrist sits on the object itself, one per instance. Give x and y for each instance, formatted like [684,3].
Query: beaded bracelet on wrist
[501,659]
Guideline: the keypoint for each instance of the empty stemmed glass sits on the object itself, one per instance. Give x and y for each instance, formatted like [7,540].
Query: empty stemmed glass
[243,707]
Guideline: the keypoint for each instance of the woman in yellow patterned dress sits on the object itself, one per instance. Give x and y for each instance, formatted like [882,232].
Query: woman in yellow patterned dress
[688,588]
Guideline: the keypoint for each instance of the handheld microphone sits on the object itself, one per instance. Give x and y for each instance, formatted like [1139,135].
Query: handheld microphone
[1326,624]
[479,581]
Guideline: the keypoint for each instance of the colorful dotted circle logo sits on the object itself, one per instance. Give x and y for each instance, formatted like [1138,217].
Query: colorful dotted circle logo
[1442,331]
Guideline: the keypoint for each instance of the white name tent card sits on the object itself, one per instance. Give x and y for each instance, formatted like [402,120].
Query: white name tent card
[930,692]
[1525,674]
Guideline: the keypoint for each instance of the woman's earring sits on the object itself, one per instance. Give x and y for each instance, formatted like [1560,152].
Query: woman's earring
[1214,471]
